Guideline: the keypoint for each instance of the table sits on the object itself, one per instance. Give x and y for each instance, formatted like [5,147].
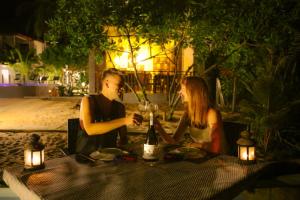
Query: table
[221,177]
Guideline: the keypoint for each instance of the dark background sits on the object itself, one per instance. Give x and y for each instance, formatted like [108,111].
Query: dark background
[16,16]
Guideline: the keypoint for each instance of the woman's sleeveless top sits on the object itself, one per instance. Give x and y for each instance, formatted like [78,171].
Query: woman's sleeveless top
[201,135]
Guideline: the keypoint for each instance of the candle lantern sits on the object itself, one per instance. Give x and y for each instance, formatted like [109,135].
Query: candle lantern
[34,153]
[246,148]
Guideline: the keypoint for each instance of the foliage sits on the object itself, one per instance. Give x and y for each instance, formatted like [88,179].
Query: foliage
[5,54]
[144,22]
[59,57]
[272,96]
[77,27]
[82,79]
[226,34]
[61,90]
[23,62]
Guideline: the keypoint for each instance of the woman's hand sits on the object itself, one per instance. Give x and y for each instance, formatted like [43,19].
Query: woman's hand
[166,137]
[156,124]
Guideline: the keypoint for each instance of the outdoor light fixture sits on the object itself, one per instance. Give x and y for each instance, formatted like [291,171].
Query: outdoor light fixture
[246,148]
[34,153]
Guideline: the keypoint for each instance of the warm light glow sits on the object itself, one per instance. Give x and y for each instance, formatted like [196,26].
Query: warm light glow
[143,61]
[142,54]
[32,159]
[188,58]
[251,153]
[247,156]
[121,61]
[244,154]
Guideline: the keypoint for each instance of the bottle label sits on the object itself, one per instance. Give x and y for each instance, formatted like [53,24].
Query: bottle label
[150,152]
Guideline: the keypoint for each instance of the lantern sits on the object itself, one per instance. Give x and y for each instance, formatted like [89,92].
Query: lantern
[34,153]
[246,148]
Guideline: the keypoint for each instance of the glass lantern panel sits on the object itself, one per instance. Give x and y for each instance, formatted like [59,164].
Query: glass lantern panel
[251,153]
[34,158]
[243,155]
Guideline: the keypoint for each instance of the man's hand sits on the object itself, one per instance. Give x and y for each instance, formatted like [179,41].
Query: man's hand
[135,119]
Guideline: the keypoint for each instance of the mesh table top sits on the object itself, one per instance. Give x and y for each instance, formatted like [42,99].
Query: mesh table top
[65,178]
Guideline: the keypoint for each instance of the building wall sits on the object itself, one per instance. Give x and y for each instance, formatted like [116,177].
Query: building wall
[7,74]
[188,58]
[39,46]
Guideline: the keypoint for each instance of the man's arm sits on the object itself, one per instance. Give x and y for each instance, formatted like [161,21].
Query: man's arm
[99,128]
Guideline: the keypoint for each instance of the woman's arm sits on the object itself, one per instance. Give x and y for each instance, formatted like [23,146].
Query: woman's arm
[214,121]
[178,133]
[164,135]
[215,145]
[99,128]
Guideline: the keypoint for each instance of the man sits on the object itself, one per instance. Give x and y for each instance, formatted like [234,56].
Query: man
[103,118]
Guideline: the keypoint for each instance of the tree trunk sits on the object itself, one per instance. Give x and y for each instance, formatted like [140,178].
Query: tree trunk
[233,94]
[219,94]
[92,71]
[211,78]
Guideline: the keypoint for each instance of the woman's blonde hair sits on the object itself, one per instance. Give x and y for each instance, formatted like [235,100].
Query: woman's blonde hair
[198,100]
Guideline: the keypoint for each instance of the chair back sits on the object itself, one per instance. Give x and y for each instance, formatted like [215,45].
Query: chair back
[73,128]
[232,132]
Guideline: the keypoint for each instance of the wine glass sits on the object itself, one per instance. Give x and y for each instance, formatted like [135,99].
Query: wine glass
[143,108]
[153,107]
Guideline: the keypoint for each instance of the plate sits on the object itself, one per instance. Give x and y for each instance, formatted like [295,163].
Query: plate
[107,154]
[102,156]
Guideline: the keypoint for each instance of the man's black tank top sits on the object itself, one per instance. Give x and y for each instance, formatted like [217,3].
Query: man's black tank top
[101,109]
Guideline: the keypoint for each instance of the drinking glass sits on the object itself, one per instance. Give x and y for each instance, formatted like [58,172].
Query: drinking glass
[153,108]
[143,108]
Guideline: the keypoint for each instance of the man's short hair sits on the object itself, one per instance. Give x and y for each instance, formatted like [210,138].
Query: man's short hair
[113,72]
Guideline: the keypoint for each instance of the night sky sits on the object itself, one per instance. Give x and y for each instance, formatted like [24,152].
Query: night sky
[12,18]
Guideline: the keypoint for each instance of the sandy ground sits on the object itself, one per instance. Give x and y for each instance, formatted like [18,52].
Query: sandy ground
[19,118]
[37,114]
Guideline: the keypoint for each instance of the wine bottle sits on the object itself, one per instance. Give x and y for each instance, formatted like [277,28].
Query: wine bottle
[151,143]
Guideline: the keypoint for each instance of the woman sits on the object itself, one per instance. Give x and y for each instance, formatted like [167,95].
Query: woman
[204,122]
